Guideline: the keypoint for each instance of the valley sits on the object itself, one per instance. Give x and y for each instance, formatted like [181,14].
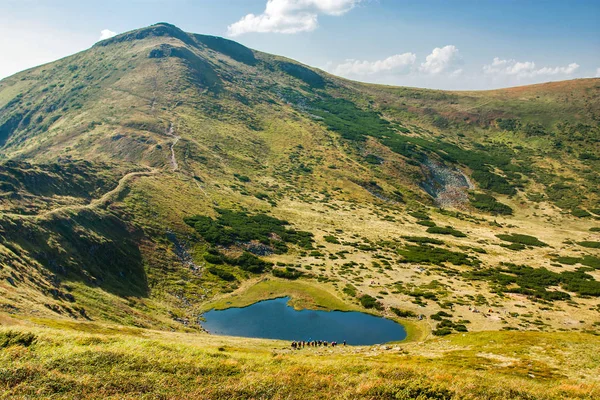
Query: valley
[161,174]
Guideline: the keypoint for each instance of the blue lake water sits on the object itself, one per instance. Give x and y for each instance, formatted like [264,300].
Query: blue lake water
[274,319]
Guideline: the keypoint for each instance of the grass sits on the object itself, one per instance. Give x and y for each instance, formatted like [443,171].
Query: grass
[486,365]
[304,295]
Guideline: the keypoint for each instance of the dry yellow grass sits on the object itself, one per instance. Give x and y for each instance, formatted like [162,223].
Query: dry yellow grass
[91,361]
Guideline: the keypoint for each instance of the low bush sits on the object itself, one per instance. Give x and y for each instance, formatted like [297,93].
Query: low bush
[489,204]
[425,254]
[242,178]
[231,227]
[522,239]
[579,213]
[587,260]
[441,331]
[403,313]
[368,301]
[216,259]
[445,231]
[589,244]
[251,263]
[439,315]
[426,223]
[514,246]
[331,239]
[226,276]
[287,273]
[419,215]
[422,240]
[534,282]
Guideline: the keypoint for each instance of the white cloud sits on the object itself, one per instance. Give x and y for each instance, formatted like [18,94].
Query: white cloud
[290,16]
[106,34]
[440,60]
[399,63]
[525,69]
[597,72]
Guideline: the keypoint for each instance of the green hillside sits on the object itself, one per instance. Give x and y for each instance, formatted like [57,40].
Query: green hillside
[161,173]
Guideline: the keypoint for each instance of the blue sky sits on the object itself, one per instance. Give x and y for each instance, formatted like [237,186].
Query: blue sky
[452,44]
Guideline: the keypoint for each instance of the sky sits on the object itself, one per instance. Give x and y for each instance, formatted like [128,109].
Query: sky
[440,44]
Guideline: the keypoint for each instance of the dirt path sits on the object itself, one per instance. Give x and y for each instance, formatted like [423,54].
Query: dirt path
[171,132]
[102,201]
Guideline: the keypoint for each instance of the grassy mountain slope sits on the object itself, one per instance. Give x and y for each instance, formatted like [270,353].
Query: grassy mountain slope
[160,173]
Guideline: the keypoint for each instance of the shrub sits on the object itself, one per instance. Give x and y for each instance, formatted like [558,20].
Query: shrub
[441,314]
[491,181]
[232,227]
[579,213]
[419,215]
[514,246]
[249,262]
[589,244]
[241,178]
[226,276]
[535,281]
[445,231]
[214,259]
[531,129]
[587,260]
[287,273]
[425,254]
[442,331]
[489,204]
[331,239]
[422,240]
[508,124]
[522,239]
[426,223]
[368,301]
[403,313]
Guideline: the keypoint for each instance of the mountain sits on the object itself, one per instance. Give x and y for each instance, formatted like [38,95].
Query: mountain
[161,173]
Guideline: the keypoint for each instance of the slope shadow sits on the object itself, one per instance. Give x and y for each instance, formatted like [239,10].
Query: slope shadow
[96,248]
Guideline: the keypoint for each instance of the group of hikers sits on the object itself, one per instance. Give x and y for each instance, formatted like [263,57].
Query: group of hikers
[314,343]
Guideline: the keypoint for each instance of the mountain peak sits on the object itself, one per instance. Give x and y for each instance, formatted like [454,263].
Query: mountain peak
[158,29]
[163,29]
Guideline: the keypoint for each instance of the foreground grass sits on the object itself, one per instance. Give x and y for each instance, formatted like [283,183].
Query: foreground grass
[79,362]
